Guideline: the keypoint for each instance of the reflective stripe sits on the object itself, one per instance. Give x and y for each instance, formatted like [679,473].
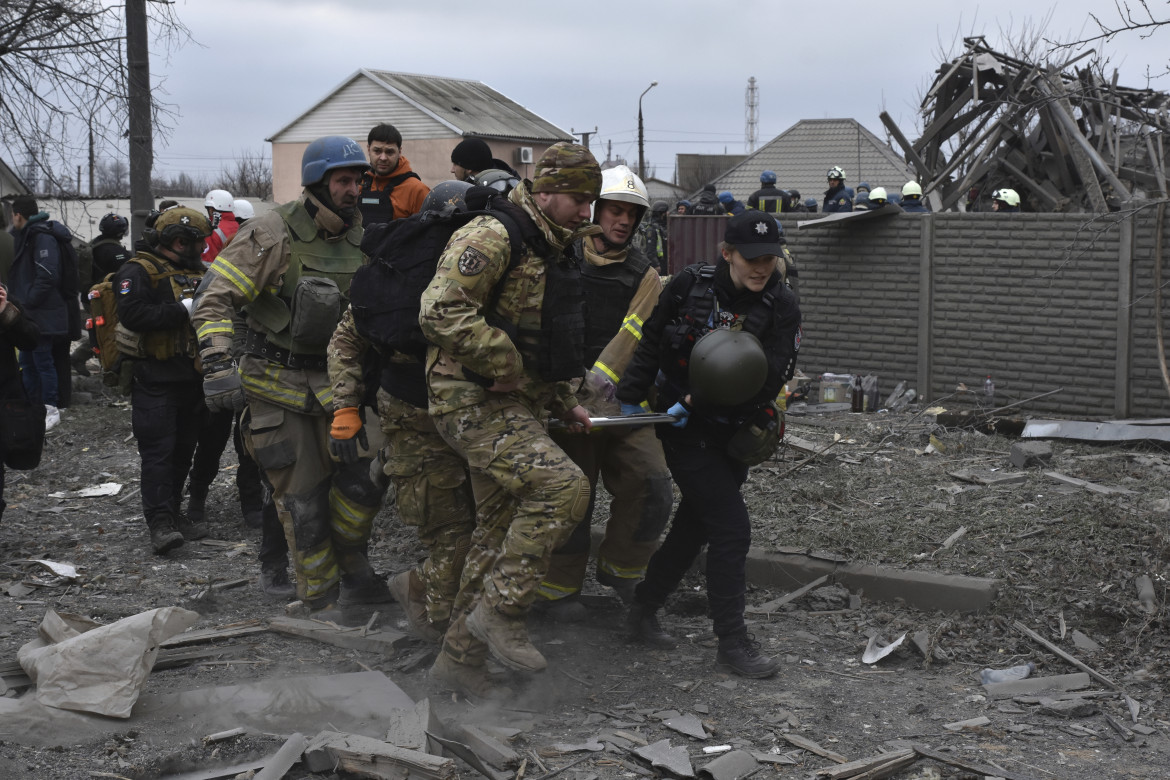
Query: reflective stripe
[604,369]
[236,277]
[351,521]
[325,397]
[271,390]
[551,592]
[633,325]
[212,327]
[621,572]
[319,568]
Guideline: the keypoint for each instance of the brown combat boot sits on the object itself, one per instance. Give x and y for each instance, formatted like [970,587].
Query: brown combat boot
[408,591]
[506,638]
[473,681]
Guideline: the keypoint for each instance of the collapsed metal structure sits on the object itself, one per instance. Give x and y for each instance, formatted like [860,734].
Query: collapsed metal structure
[1063,137]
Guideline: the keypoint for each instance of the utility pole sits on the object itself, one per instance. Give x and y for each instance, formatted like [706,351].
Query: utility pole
[641,155]
[141,143]
[584,135]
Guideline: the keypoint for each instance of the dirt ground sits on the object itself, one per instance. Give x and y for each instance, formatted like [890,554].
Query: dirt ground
[1068,561]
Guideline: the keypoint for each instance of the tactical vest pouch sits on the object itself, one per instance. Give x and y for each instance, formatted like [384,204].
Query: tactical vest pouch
[316,310]
[757,437]
[130,343]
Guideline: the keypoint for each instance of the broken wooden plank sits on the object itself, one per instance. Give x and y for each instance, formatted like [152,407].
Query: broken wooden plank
[812,747]
[1084,667]
[369,757]
[486,746]
[1084,484]
[988,478]
[769,607]
[381,641]
[290,753]
[212,634]
[862,765]
[970,766]
[1057,682]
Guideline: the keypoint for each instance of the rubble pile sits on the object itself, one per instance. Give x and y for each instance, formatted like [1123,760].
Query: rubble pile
[1066,138]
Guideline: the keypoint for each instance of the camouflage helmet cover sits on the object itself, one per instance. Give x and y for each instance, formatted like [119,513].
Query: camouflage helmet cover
[569,168]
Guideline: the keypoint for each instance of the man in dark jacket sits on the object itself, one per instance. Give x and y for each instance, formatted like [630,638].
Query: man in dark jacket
[154,293]
[38,280]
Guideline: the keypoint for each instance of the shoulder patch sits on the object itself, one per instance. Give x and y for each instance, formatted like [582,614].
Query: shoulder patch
[124,287]
[472,262]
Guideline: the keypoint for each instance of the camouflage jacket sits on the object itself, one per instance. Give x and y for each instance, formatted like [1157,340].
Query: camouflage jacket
[453,314]
[257,259]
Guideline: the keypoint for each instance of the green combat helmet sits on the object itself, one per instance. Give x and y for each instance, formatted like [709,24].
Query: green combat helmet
[727,368]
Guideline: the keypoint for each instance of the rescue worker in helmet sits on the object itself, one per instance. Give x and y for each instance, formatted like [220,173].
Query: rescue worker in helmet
[837,197]
[621,288]
[768,198]
[810,205]
[876,199]
[682,207]
[1005,200]
[218,204]
[432,487]
[912,202]
[501,360]
[730,204]
[108,252]
[795,203]
[862,187]
[652,237]
[243,209]
[153,294]
[718,348]
[289,272]
[498,179]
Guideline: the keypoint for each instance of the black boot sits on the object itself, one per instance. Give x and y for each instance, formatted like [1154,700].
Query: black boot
[275,583]
[365,588]
[740,653]
[642,626]
[164,537]
[197,503]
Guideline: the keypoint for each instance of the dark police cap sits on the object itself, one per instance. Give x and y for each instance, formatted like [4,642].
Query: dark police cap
[753,233]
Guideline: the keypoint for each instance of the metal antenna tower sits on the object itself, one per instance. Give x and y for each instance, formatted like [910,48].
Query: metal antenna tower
[751,115]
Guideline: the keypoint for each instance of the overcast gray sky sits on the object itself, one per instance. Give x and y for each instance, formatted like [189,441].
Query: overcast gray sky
[258,64]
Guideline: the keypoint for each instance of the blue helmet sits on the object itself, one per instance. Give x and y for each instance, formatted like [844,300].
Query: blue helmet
[325,154]
[863,186]
[768,177]
[726,197]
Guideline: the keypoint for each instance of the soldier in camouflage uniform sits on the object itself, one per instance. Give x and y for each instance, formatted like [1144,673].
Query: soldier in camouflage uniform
[289,271]
[500,361]
[621,289]
[432,487]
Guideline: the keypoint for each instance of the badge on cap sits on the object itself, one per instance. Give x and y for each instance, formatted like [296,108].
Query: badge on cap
[761,228]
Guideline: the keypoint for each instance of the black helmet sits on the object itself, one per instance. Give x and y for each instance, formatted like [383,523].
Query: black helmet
[447,194]
[658,207]
[499,180]
[113,225]
[727,367]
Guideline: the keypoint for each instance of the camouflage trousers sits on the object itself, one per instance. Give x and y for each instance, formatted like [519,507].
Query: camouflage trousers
[631,466]
[326,508]
[529,496]
[433,494]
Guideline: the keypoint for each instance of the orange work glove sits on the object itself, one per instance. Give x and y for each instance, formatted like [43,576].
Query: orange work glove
[346,423]
[346,436]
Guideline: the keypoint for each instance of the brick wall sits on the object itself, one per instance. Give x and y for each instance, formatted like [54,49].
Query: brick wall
[1038,301]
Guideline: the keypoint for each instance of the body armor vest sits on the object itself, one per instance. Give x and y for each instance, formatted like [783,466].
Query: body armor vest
[161,344]
[557,350]
[376,205]
[310,256]
[608,292]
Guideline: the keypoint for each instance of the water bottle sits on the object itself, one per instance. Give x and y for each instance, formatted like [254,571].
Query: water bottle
[1007,675]
[989,391]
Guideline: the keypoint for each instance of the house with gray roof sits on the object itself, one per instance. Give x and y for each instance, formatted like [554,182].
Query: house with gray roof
[433,113]
[802,154]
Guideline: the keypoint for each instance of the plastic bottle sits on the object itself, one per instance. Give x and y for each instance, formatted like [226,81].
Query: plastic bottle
[989,390]
[857,393]
[1007,675]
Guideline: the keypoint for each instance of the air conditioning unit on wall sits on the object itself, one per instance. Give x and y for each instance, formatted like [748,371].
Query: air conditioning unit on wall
[524,155]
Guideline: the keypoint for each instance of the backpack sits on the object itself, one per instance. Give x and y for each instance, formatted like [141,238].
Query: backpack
[102,324]
[707,204]
[385,294]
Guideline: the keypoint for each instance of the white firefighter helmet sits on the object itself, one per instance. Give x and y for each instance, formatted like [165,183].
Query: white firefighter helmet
[243,209]
[220,200]
[621,183]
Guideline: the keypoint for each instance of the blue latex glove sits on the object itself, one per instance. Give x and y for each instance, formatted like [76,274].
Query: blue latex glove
[681,413]
[628,409]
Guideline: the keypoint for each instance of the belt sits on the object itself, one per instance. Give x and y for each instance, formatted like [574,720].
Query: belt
[256,343]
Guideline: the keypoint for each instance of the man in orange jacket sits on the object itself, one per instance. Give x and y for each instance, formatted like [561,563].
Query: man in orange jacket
[390,189]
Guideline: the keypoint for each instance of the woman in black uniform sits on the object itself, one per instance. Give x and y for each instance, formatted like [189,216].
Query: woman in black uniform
[723,398]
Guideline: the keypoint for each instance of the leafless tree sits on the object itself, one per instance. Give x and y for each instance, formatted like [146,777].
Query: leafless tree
[1131,17]
[112,178]
[63,76]
[250,176]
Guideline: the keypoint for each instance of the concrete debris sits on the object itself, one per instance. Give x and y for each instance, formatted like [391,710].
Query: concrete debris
[970,723]
[1067,708]
[1059,682]
[290,752]
[661,755]
[1083,642]
[687,724]
[1031,454]
[368,757]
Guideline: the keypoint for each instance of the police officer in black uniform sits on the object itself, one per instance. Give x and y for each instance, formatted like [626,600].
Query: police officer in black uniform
[722,394]
[154,292]
[768,197]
